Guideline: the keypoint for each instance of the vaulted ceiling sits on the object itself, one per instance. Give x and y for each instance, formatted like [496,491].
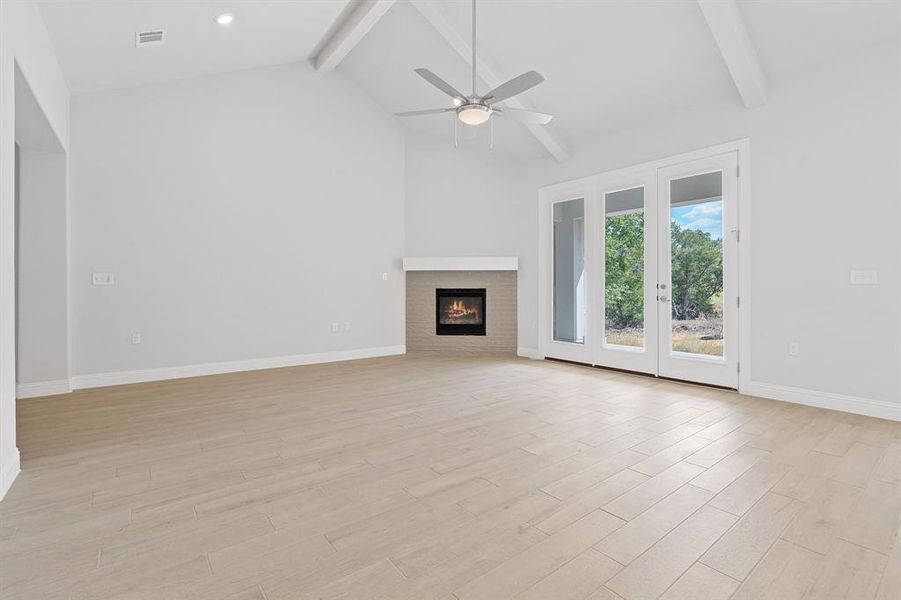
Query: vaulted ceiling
[95,39]
[608,64]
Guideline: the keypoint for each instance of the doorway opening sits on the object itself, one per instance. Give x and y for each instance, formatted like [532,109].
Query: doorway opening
[41,250]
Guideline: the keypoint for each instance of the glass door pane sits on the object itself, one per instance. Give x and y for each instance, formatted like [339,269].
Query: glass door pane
[569,293]
[696,264]
[624,266]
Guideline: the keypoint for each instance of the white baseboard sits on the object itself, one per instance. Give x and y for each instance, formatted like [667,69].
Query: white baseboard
[43,388]
[8,473]
[125,377]
[861,406]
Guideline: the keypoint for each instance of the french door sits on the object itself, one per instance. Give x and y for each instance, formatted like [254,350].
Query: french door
[697,306]
[642,270]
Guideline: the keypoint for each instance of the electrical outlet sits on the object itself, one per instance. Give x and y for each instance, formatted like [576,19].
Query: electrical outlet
[335,328]
[102,279]
[384,276]
[863,277]
[136,338]
[794,348]
[347,326]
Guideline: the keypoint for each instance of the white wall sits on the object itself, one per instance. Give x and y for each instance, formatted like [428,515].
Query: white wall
[42,306]
[241,215]
[825,194]
[23,42]
[469,202]
[825,187]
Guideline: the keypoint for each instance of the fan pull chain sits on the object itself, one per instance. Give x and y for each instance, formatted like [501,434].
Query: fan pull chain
[456,145]
[491,142]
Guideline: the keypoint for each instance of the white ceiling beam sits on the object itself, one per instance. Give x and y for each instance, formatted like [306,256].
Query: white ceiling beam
[543,133]
[349,33]
[731,35]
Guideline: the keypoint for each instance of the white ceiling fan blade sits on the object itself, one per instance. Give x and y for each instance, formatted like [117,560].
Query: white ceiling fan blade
[524,116]
[517,85]
[439,83]
[430,111]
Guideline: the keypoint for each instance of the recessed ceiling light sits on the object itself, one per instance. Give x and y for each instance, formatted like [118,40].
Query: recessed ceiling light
[225,19]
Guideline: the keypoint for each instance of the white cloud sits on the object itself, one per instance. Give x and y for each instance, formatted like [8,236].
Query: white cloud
[707,217]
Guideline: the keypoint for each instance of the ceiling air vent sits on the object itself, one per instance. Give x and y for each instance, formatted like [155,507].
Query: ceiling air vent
[150,38]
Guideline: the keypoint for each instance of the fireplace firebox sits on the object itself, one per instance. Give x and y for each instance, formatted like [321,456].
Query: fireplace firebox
[460,311]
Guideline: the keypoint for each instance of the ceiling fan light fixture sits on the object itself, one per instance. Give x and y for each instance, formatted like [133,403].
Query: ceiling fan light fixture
[473,114]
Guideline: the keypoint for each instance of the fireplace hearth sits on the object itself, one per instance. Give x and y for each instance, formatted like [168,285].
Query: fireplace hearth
[460,311]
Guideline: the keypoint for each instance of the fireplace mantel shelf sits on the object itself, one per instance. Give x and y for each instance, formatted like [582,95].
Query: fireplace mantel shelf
[462,263]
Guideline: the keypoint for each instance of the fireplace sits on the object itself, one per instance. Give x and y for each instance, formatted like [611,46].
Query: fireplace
[460,311]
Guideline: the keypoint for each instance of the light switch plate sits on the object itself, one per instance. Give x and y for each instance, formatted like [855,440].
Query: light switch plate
[103,279]
[863,277]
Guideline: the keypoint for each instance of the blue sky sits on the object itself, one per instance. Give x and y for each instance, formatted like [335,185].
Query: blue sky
[707,216]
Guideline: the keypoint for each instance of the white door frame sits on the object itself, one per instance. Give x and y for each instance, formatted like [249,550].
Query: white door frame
[589,188]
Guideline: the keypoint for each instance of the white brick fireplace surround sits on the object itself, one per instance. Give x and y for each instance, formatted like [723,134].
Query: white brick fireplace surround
[497,275]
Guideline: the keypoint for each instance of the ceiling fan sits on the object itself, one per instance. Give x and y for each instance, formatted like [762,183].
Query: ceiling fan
[475,109]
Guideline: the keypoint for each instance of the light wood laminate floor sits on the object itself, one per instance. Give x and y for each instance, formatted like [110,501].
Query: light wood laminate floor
[477,477]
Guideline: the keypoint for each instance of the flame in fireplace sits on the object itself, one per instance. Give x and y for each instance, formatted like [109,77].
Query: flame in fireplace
[458,310]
